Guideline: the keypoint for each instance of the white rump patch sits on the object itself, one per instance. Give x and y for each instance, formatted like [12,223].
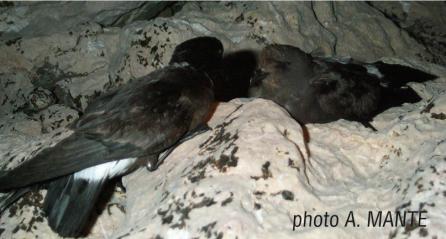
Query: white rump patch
[109,170]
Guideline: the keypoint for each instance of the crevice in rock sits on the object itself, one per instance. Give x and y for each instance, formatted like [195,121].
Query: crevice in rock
[423,33]
[335,39]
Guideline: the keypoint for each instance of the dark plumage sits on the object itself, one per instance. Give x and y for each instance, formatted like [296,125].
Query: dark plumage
[320,90]
[119,132]
[231,73]
[205,53]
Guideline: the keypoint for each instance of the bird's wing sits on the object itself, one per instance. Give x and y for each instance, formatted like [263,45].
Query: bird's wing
[147,115]
[70,155]
[70,199]
[346,91]
[143,118]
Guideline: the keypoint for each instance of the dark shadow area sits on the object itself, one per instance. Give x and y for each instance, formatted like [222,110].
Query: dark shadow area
[234,75]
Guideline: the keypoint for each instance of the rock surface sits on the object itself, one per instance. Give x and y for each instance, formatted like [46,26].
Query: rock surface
[34,19]
[424,22]
[253,172]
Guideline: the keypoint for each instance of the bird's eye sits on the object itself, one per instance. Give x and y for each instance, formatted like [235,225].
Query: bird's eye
[282,65]
[258,77]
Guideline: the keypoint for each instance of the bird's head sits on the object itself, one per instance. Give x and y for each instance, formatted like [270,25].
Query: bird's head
[280,66]
[202,53]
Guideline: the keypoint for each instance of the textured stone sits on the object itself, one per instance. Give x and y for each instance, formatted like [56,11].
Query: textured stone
[345,29]
[35,19]
[40,99]
[15,88]
[57,116]
[251,173]
[424,22]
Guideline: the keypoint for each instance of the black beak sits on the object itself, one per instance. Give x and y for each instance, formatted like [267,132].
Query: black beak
[258,77]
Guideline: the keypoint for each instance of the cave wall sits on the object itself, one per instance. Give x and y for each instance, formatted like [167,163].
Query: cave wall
[56,57]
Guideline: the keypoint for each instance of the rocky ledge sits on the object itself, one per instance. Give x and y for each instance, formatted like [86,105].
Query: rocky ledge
[257,170]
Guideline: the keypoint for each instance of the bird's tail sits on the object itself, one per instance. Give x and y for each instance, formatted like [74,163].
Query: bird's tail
[398,75]
[395,78]
[394,75]
[69,203]
[73,154]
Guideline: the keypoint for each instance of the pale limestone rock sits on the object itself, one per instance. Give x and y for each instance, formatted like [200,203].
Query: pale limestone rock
[15,88]
[57,116]
[337,28]
[237,193]
[35,19]
[252,173]
[40,99]
[216,180]
[425,22]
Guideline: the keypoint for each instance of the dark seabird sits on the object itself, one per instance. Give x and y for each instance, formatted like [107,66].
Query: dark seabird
[119,132]
[321,90]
